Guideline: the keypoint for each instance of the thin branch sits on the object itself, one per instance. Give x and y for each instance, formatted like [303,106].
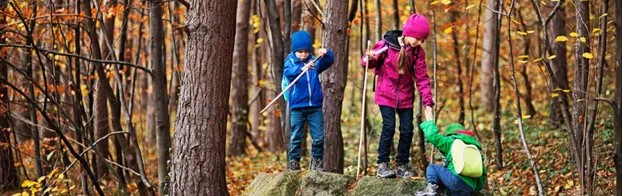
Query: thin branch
[608,101]
[80,57]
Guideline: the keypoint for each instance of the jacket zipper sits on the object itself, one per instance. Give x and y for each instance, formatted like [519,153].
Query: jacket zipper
[309,87]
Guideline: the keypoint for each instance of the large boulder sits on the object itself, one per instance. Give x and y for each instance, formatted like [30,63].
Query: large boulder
[370,185]
[320,183]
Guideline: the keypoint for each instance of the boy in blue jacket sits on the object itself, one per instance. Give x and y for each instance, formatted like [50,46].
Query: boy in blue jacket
[305,98]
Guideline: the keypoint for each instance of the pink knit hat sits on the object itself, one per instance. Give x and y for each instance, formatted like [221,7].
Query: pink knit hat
[416,26]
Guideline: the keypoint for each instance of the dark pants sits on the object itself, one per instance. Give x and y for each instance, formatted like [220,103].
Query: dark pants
[443,177]
[315,118]
[388,130]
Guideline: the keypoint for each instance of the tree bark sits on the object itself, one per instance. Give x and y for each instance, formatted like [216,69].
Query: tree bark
[256,118]
[199,158]
[277,59]
[239,93]
[296,15]
[618,100]
[456,47]
[9,179]
[558,64]
[159,95]
[396,15]
[581,74]
[497,86]
[378,20]
[334,82]
[491,30]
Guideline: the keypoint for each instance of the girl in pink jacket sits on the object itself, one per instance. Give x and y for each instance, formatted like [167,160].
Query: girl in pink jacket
[399,62]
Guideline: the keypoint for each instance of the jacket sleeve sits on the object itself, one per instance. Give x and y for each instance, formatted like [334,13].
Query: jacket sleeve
[421,78]
[443,143]
[326,61]
[374,63]
[291,70]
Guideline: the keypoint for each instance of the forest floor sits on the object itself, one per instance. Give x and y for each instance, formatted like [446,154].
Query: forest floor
[549,147]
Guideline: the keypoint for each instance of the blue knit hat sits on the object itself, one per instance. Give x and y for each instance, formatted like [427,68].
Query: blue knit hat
[301,40]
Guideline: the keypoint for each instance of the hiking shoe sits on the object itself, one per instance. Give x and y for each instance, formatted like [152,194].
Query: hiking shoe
[317,165]
[429,190]
[385,170]
[405,171]
[293,165]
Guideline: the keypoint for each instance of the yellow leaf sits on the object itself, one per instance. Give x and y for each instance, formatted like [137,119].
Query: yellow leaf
[596,30]
[25,193]
[523,56]
[573,34]
[448,30]
[582,39]
[445,2]
[557,89]
[566,91]
[522,33]
[569,184]
[588,55]
[469,7]
[28,183]
[41,179]
[580,100]
[515,21]
[317,45]
[523,62]
[552,57]
[526,116]
[530,31]
[605,14]
[538,59]
[61,176]
[259,40]
[561,38]
[435,2]
[554,94]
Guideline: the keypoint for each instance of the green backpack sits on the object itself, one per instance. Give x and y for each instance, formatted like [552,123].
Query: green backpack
[466,159]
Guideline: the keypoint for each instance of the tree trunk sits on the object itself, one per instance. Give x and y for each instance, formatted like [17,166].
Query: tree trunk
[396,15]
[558,64]
[277,59]
[581,74]
[618,100]
[456,44]
[159,95]
[258,93]
[9,179]
[102,122]
[334,83]
[497,86]
[491,30]
[296,15]
[199,156]
[378,20]
[310,22]
[239,93]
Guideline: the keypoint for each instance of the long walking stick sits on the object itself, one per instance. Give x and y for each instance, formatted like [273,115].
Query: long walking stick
[358,165]
[290,85]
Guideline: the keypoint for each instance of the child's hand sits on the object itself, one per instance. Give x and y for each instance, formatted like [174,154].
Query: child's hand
[370,55]
[428,113]
[322,51]
[307,67]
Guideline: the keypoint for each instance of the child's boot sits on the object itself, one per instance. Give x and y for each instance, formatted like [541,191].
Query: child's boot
[385,170]
[293,165]
[317,165]
[429,190]
[405,171]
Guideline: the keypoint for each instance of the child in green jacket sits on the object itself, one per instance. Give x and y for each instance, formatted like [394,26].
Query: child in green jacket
[446,175]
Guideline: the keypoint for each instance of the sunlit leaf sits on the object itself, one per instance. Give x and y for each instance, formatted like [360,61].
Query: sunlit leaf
[601,16]
[469,7]
[435,2]
[596,30]
[530,31]
[574,34]
[588,55]
[582,39]
[446,2]
[537,60]
[523,56]
[552,57]
[554,94]
[561,38]
[566,90]
[522,33]
[448,30]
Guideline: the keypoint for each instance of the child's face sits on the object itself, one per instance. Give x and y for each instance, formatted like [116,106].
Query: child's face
[303,54]
[413,41]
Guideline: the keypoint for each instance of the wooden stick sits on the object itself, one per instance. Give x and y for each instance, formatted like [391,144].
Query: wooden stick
[358,164]
[290,85]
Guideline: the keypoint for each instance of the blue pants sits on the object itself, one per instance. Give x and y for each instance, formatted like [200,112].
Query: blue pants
[388,130]
[315,118]
[443,177]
